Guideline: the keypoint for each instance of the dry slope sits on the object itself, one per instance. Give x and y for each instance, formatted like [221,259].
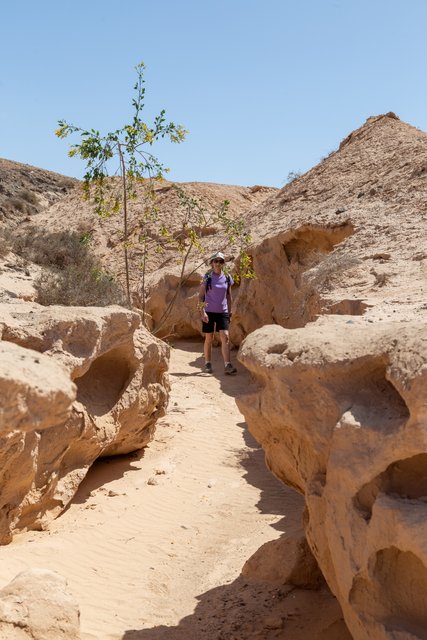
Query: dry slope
[349,236]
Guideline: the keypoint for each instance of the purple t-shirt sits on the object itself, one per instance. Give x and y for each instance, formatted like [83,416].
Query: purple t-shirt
[216,295]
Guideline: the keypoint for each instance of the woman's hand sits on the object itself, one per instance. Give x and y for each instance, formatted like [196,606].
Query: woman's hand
[205,317]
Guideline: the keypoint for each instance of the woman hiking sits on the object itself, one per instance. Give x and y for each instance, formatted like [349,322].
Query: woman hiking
[215,305]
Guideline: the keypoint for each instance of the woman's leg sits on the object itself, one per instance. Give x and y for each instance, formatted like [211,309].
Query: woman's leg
[208,347]
[225,345]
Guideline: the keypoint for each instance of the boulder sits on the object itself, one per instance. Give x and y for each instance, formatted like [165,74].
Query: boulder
[172,306]
[96,387]
[36,605]
[36,397]
[341,411]
[287,560]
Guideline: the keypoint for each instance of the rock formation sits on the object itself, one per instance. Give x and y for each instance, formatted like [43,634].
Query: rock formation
[36,605]
[348,237]
[297,565]
[172,305]
[77,384]
[340,410]
[340,402]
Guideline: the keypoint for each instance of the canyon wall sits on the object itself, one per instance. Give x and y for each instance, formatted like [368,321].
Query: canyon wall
[341,411]
[333,330]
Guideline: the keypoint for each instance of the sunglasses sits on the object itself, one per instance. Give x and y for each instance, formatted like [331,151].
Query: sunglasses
[218,261]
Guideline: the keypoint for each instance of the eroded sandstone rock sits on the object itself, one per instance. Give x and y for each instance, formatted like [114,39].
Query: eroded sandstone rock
[36,395]
[341,411]
[110,371]
[287,560]
[36,605]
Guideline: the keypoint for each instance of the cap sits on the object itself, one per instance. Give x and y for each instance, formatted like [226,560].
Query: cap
[219,255]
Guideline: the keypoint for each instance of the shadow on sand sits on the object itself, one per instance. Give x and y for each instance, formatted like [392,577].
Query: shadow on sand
[250,610]
[105,470]
[276,498]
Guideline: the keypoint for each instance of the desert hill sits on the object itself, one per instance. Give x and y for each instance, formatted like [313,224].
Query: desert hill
[349,236]
[72,212]
[26,190]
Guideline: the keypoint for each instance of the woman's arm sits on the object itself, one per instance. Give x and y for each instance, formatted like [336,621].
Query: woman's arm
[229,300]
[201,305]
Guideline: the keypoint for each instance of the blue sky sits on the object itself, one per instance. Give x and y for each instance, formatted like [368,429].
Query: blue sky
[264,87]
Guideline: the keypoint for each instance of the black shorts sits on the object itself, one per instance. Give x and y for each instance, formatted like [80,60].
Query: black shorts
[221,320]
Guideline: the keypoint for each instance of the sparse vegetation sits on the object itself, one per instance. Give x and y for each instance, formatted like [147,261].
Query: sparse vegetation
[84,285]
[128,147]
[4,247]
[293,175]
[25,202]
[29,196]
[72,274]
[16,203]
[326,268]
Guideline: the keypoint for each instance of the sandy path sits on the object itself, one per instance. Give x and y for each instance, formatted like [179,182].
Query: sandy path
[148,536]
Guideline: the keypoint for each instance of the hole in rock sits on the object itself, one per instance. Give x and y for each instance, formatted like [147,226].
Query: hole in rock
[368,398]
[405,479]
[308,241]
[349,308]
[396,594]
[101,386]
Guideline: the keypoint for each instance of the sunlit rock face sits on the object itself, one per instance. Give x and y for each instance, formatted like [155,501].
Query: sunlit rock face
[77,384]
[341,411]
[37,605]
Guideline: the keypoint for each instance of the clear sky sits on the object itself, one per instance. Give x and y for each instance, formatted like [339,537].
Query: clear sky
[264,87]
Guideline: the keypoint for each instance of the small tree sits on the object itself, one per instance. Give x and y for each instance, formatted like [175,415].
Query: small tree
[196,220]
[129,147]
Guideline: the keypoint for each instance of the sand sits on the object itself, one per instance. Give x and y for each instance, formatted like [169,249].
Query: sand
[153,544]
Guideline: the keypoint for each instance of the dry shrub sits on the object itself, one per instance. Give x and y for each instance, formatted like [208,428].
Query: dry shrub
[29,196]
[78,285]
[72,274]
[16,204]
[4,247]
[58,249]
[68,183]
[325,270]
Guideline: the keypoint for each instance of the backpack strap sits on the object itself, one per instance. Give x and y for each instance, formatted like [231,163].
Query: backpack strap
[208,280]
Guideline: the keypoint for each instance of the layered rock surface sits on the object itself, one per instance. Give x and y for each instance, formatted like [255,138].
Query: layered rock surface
[77,383]
[340,410]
